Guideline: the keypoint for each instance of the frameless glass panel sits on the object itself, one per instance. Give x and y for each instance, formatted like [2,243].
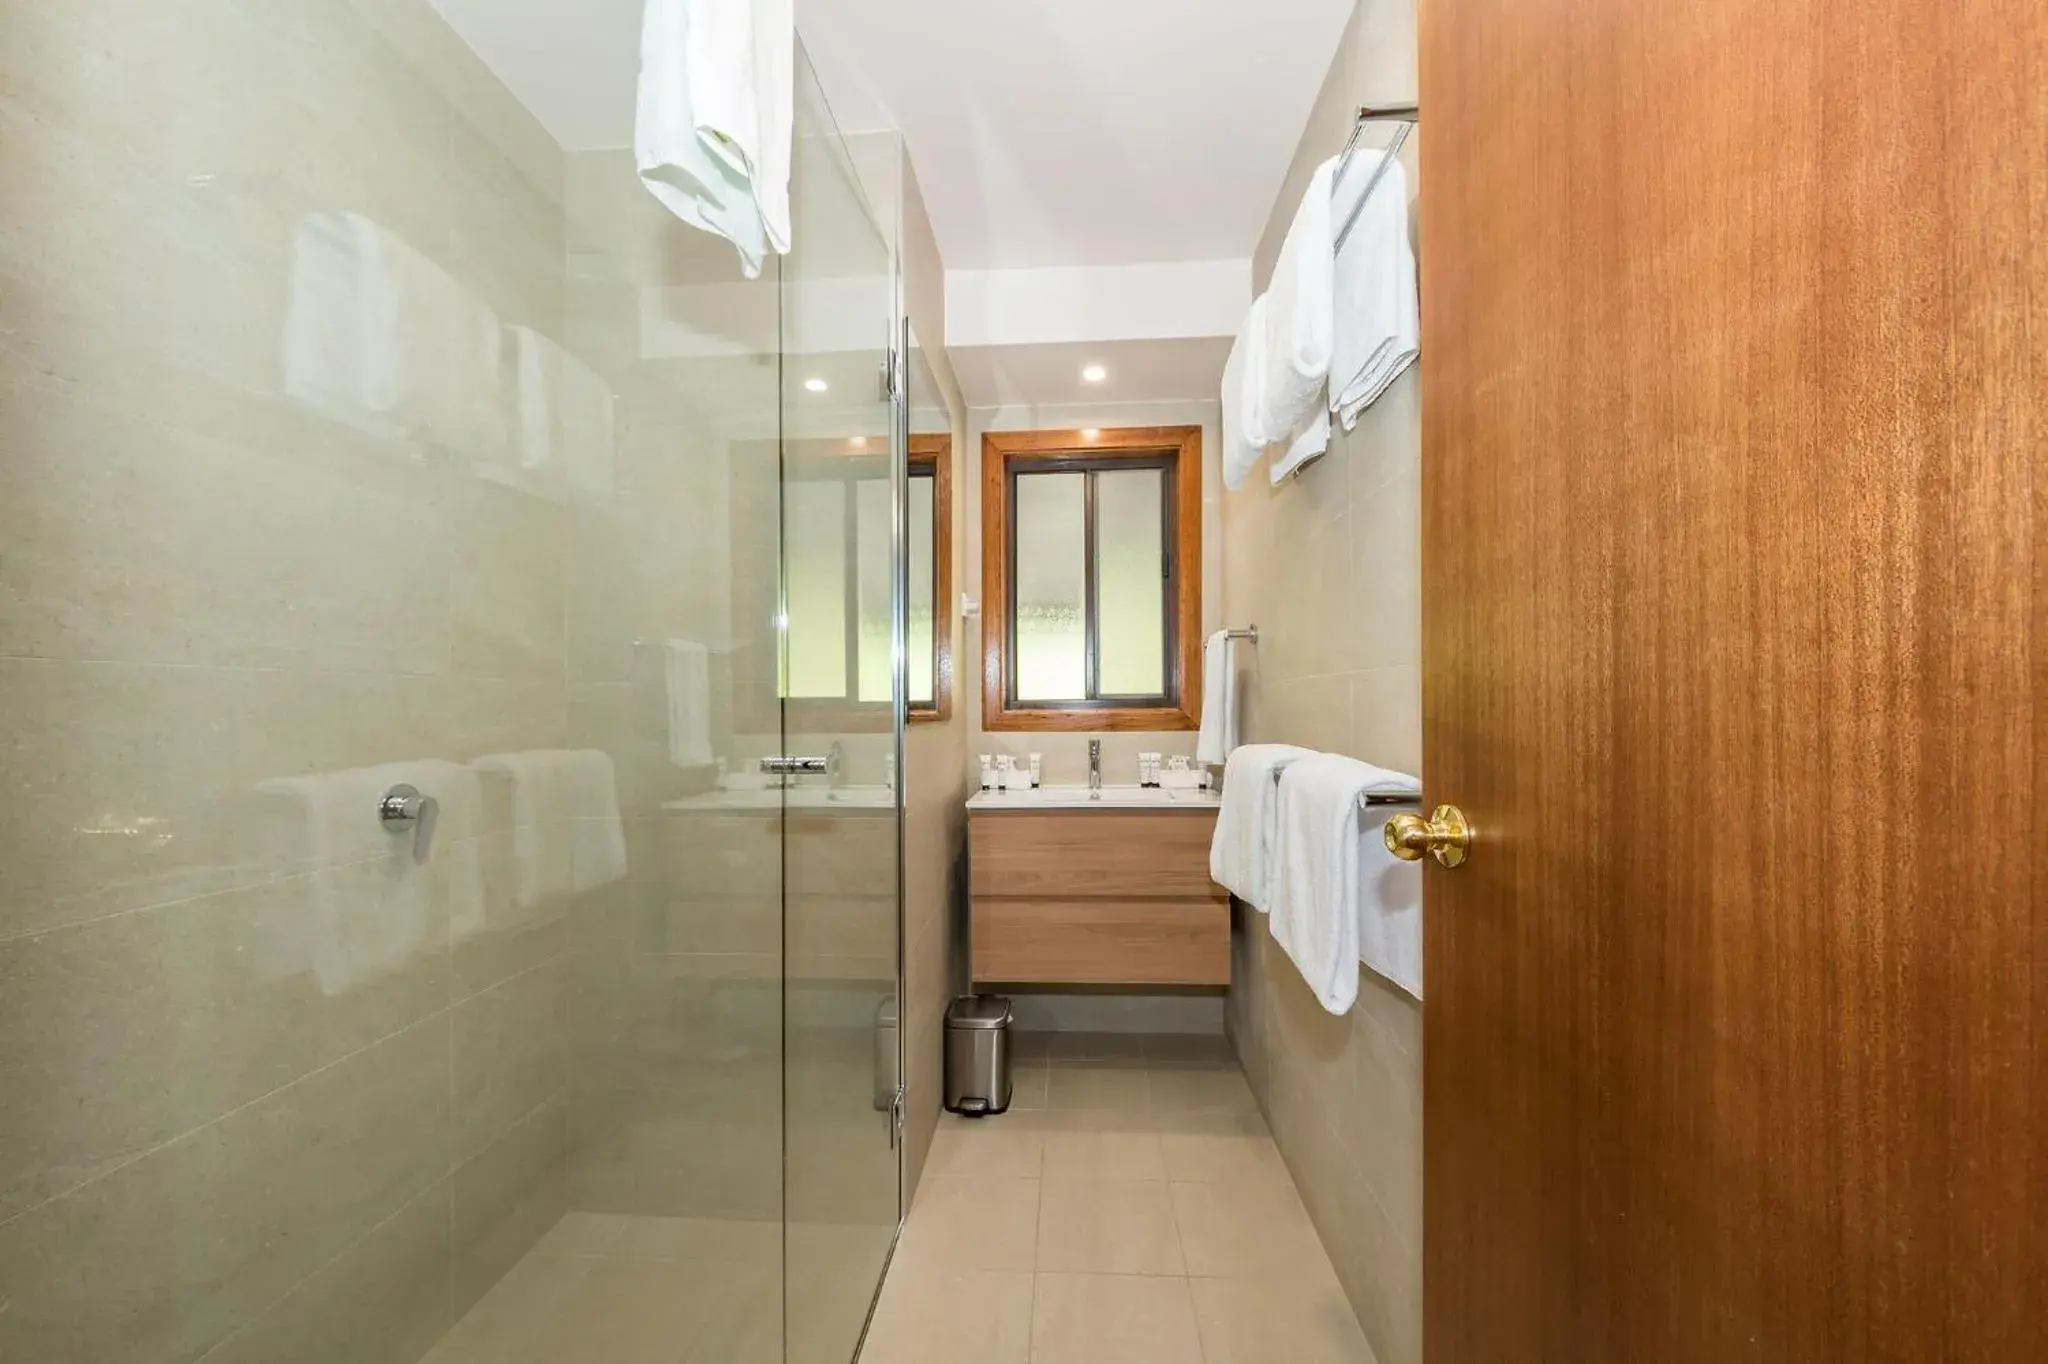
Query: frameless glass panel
[921,661]
[1130,582]
[841,831]
[358,438]
[1050,570]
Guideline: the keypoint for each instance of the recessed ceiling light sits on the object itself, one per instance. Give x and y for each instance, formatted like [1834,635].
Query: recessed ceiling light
[859,442]
[816,385]
[1094,374]
[1090,432]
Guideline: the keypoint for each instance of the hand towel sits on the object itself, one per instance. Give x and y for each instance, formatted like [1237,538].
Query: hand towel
[1317,883]
[1243,441]
[1376,329]
[716,115]
[1241,851]
[1389,902]
[687,669]
[1309,443]
[363,907]
[566,834]
[1219,701]
[1299,305]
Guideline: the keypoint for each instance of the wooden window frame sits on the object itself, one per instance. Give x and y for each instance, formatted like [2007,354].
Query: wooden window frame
[1138,445]
[934,454]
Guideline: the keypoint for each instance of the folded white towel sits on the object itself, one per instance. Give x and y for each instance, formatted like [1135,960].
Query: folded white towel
[687,669]
[1317,884]
[1243,440]
[1242,849]
[1219,700]
[566,834]
[715,117]
[1299,304]
[1376,328]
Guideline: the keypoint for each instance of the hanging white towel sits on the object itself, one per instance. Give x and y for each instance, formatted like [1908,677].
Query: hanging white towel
[716,115]
[566,834]
[1389,903]
[1219,701]
[1296,361]
[1377,328]
[1308,444]
[687,667]
[1242,849]
[1243,440]
[1318,881]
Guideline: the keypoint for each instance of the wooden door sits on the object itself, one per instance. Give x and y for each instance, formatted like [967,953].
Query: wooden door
[1736,621]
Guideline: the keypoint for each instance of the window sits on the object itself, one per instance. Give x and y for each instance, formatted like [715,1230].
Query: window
[1091,579]
[836,590]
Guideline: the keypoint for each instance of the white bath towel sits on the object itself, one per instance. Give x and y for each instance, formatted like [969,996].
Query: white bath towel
[716,115]
[1296,361]
[1376,329]
[1389,903]
[1243,439]
[1244,845]
[1319,878]
[1219,700]
[566,834]
[1311,442]
[686,666]
[360,906]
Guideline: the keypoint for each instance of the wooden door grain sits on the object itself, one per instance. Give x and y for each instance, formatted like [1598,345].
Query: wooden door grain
[1736,653]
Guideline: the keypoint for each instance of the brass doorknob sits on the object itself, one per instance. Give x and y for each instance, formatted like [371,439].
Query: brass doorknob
[1444,835]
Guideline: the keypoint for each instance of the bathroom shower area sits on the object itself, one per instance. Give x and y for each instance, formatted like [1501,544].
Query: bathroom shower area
[451,895]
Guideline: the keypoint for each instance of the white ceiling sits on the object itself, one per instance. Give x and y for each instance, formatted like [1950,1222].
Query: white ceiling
[1167,370]
[1045,132]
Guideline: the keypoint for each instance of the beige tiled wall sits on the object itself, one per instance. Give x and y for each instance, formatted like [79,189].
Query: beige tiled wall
[1329,565]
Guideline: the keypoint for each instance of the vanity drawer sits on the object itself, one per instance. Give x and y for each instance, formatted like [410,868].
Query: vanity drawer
[1090,853]
[1102,942]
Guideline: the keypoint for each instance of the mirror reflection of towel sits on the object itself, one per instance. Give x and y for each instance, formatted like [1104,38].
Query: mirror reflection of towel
[566,833]
[688,669]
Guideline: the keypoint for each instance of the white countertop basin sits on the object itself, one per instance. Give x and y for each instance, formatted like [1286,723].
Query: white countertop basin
[1081,798]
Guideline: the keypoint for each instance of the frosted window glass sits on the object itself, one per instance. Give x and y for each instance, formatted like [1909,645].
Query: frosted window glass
[814,641]
[1051,587]
[1130,591]
[923,660]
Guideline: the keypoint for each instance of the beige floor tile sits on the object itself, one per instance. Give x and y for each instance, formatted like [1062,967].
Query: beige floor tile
[1113,1319]
[1097,1046]
[1208,1148]
[932,1314]
[1028,1084]
[1278,1321]
[1190,1049]
[1247,1229]
[1107,1085]
[1201,1090]
[1101,1145]
[1099,1226]
[971,1223]
[1007,1146]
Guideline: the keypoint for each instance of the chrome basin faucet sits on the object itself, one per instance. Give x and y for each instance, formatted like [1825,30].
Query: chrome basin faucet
[1095,769]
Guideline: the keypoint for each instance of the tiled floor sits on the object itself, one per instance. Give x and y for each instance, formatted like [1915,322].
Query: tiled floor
[1131,1208]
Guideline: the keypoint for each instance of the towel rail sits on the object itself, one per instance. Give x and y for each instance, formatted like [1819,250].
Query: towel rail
[1250,632]
[1407,115]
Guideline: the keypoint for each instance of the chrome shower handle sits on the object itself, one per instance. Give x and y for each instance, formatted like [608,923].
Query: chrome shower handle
[403,808]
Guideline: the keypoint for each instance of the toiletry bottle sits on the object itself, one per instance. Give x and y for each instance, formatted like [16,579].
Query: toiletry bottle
[1037,761]
[988,773]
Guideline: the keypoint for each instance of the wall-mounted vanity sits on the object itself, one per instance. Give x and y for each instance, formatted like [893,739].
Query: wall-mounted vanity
[1105,887]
